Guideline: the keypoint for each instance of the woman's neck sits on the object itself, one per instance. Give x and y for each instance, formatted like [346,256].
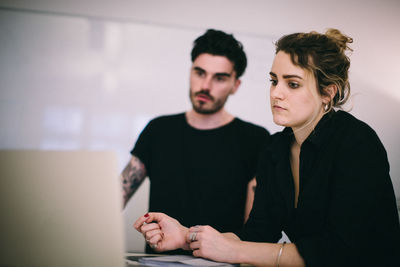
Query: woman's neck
[302,132]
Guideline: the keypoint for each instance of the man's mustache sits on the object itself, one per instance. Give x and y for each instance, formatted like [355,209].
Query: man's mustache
[204,93]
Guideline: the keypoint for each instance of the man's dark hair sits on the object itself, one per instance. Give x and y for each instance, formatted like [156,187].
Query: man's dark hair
[219,43]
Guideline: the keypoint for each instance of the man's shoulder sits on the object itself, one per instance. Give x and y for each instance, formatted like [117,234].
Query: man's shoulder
[250,127]
[167,119]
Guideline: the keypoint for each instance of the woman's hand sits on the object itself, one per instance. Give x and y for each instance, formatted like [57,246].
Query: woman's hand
[206,242]
[162,232]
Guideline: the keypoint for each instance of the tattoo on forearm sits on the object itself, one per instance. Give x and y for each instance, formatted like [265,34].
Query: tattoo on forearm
[132,177]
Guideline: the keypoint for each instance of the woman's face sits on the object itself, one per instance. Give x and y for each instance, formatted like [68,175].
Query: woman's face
[295,101]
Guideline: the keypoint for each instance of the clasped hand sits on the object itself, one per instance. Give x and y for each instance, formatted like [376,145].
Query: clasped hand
[164,233]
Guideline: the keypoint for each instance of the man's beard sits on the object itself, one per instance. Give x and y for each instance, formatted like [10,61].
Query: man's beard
[216,106]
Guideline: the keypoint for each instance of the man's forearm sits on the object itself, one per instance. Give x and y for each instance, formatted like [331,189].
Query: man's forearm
[132,177]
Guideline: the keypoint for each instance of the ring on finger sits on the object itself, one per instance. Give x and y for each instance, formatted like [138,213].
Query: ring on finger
[193,236]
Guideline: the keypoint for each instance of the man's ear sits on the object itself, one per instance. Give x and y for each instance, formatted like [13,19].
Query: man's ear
[330,92]
[236,86]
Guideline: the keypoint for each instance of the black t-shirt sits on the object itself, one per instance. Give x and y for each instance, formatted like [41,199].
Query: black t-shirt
[346,213]
[197,176]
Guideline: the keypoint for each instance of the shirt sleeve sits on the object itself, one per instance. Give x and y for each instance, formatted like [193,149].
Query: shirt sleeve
[253,142]
[142,147]
[362,225]
[265,220]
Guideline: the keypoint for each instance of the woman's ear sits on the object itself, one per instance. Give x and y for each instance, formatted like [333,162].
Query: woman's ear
[330,92]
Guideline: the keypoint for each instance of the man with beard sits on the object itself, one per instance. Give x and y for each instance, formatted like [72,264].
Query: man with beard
[201,163]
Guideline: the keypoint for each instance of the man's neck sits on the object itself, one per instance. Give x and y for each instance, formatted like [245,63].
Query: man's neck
[208,121]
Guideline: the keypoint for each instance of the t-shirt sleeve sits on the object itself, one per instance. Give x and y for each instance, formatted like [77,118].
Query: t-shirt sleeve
[142,147]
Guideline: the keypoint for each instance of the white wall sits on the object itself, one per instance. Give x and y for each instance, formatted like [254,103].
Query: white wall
[89,74]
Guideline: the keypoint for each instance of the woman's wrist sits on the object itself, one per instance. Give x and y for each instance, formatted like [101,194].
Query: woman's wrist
[240,252]
[235,247]
[184,244]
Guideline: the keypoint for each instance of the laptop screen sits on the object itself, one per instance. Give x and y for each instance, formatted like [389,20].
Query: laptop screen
[60,208]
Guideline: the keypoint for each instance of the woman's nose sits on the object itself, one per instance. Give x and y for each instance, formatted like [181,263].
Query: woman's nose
[277,92]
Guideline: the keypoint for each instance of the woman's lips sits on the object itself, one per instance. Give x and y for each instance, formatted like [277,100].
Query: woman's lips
[277,107]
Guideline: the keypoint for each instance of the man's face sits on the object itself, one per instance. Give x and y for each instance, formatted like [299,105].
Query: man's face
[212,80]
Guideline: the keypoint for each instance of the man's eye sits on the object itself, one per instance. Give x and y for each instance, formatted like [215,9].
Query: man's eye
[199,73]
[273,82]
[220,78]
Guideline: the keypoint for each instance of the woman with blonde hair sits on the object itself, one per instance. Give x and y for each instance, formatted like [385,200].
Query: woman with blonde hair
[324,180]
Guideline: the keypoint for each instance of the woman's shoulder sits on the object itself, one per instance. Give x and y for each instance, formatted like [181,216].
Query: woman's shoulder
[352,134]
[352,126]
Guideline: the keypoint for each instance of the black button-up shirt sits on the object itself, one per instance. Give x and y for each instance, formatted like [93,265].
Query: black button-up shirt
[346,213]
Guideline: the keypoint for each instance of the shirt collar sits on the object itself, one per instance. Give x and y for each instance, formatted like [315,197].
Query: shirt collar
[319,135]
[282,140]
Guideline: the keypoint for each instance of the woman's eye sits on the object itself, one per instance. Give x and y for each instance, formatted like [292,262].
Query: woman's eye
[273,82]
[293,85]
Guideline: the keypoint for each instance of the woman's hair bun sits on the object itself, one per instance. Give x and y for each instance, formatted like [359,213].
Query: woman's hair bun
[340,39]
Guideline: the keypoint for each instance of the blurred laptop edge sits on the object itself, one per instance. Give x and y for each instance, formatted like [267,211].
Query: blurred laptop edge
[60,208]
